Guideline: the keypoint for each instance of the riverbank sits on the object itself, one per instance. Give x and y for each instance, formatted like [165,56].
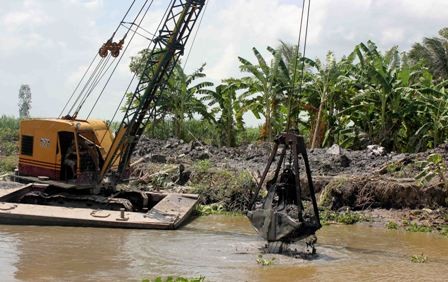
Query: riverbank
[351,186]
[382,188]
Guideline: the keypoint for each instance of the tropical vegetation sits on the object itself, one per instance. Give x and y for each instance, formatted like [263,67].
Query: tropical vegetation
[9,136]
[396,99]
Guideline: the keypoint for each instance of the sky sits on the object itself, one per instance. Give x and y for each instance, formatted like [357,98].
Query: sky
[49,43]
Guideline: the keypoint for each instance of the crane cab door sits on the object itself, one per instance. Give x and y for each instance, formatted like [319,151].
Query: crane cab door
[78,158]
[66,155]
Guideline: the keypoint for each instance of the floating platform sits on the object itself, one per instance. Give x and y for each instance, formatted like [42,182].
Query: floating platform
[168,211]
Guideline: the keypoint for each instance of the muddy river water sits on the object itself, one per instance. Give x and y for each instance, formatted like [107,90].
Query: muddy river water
[218,247]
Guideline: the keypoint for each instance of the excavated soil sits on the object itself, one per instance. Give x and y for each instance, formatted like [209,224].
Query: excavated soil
[368,180]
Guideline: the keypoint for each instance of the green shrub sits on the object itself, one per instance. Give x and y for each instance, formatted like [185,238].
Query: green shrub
[265,262]
[248,135]
[433,166]
[444,230]
[419,258]
[202,166]
[414,227]
[201,130]
[8,164]
[9,122]
[347,217]
[8,148]
[9,135]
[391,225]
[210,209]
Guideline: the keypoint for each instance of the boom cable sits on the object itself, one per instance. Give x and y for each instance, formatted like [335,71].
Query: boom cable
[99,71]
[135,75]
[121,57]
[195,35]
[296,59]
[79,84]
[98,76]
[85,86]
[124,17]
[88,68]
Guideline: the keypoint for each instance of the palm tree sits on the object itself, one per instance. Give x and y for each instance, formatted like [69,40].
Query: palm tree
[433,53]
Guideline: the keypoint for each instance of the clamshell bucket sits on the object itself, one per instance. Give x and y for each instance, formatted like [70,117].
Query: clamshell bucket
[285,214]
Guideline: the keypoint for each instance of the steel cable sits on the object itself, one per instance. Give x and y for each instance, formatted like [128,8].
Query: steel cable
[94,75]
[121,57]
[79,84]
[85,86]
[98,77]
[195,35]
[296,59]
[133,77]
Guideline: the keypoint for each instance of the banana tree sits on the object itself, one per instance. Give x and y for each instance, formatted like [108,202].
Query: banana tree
[329,85]
[181,97]
[226,109]
[433,113]
[383,96]
[294,78]
[263,94]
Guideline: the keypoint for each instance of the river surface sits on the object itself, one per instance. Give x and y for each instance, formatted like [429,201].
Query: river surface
[218,247]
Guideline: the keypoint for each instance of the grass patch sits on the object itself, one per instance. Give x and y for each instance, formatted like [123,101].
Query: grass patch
[229,188]
[346,217]
[175,279]
[414,227]
[392,225]
[202,166]
[419,258]
[8,164]
[444,230]
[336,184]
[214,209]
[264,262]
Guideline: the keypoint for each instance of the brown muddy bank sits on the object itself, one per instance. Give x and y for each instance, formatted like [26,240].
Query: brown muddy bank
[366,181]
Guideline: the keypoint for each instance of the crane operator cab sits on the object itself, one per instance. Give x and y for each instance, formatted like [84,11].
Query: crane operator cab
[70,151]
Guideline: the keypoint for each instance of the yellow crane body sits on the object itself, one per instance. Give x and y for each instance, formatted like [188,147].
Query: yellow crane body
[63,150]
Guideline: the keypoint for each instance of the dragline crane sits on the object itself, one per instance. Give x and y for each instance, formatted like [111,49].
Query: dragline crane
[81,161]
[84,152]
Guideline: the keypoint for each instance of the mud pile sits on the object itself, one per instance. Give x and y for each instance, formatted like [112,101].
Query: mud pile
[359,180]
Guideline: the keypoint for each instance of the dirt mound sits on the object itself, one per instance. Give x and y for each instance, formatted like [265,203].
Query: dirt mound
[380,192]
[364,179]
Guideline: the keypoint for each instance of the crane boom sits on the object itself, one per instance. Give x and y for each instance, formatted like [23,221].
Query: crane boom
[168,46]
